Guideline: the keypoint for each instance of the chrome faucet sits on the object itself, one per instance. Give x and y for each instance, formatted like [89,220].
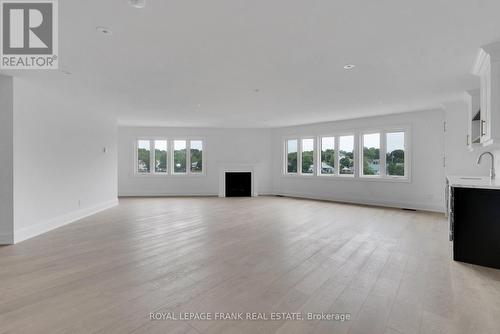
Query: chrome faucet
[492,169]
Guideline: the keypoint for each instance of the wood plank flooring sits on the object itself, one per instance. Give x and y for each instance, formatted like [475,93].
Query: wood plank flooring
[390,269]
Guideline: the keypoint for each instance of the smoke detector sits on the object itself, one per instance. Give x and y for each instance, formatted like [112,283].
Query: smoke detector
[138,3]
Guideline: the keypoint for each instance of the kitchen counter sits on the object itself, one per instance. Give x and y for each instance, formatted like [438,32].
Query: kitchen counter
[473,182]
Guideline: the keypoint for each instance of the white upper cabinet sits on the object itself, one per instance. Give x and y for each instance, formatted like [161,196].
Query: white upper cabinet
[474,122]
[487,67]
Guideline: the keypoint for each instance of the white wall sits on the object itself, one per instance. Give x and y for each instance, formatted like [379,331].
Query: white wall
[59,173]
[60,170]
[223,147]
[263,148]
[425,191]
[6,161]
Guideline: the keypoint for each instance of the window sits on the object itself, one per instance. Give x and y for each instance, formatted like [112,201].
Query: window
[346,155]
[143,156]
[371,154]
[160,156]
[395,157]
[180,156]
[307,149]
[384,154]
[196,156]
[327,156]
[291,156]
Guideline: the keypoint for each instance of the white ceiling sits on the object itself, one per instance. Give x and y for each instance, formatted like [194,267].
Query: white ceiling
[198,63]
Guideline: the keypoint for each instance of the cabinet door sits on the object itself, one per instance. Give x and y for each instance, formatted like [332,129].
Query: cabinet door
[487,68]
[473,136]
[476,227]
[485,105]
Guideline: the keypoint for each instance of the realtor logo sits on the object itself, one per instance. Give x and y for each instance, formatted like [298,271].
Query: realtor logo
[29,38]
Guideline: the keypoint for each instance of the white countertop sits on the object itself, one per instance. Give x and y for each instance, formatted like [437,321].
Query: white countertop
[473,182]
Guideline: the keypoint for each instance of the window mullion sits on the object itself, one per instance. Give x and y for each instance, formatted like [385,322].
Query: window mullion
[318,151]
[383,153]
[336,156]
[285,157]
[315,157]
[407,151]
[136,156]
[359,159]
[152,161]
[299,158]
[188,156]
[172,169]
[168,157]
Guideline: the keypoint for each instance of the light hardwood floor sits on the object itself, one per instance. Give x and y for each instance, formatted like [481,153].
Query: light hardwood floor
[390,269]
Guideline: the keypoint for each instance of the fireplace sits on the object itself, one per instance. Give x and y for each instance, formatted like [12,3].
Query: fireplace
[238,184]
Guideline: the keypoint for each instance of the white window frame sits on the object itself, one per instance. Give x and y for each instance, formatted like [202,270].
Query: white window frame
[336,137]
[153,156]
[354,154]
[407,150]
[299,160]
[188,157]
[203,154]
[362,155]
[320,152]
[152,169]
[383,154]
[285,156]
[172,154]
[170,157]
[299,156]
[357,154]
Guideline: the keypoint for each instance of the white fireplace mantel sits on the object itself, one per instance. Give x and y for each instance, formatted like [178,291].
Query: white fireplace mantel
[237,167]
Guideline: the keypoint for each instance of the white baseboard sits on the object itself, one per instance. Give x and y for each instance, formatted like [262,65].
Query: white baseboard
[265,192]
[6,239]
[134,194]
[388,204]
[164,194]
[48,225]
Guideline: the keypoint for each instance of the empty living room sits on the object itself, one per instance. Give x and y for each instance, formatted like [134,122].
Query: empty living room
[231,166]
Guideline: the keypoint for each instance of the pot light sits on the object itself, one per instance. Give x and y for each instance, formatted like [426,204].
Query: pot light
[138,3]
[349,66]
[104,30]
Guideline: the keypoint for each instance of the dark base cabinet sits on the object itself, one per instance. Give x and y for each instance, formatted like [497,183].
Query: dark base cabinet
[476,226]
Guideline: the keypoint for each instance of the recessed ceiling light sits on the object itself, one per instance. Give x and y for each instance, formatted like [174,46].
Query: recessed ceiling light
[138,3]
[104,30]
[349,66]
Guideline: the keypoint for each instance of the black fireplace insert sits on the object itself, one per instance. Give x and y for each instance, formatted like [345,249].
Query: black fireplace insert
[238,184]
